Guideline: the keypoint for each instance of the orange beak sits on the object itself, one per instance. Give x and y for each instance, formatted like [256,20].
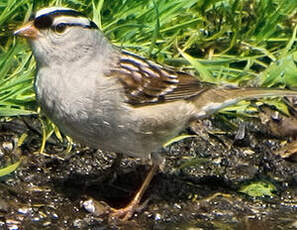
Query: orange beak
[28,31]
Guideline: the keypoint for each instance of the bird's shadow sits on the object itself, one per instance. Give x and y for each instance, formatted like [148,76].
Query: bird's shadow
[118,188]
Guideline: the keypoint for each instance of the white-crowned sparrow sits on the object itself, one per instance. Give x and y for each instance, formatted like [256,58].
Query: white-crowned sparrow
[114,100]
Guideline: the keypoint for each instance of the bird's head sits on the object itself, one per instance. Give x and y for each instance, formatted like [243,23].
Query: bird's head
[59,33]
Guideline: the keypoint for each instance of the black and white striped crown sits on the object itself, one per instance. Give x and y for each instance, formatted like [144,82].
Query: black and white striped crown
[53,16]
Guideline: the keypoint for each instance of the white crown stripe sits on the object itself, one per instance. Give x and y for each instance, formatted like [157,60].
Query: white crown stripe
[50,10]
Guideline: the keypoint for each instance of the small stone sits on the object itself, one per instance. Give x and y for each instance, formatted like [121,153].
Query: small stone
[158,216]
[24,210]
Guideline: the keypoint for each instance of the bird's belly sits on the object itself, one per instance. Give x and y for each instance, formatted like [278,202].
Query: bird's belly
[134,133]
[105,121]
[98,128]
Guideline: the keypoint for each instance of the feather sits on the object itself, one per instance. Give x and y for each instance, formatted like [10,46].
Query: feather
[146,82]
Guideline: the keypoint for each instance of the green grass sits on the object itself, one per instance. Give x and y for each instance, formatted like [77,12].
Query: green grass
[247,42]
[244,42]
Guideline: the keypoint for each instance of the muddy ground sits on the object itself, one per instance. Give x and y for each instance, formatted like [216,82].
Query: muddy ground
[198,187]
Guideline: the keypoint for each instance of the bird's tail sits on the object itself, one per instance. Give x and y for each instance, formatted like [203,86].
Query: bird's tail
[215,99]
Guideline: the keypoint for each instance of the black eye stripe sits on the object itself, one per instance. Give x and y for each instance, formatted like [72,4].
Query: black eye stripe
[93,25]
[45,21]
[74,24]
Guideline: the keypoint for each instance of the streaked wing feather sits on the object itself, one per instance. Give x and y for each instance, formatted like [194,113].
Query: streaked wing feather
[146,82]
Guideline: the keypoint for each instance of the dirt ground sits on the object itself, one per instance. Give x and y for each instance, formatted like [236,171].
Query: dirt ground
[198,188]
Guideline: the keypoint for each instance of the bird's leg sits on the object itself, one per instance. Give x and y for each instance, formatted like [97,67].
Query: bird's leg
[100,208]
[126,212]
[114,169]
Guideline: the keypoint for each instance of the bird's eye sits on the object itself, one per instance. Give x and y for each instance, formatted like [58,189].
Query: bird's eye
[60,28]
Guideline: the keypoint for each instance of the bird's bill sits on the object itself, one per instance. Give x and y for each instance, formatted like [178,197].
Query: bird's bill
[28,31]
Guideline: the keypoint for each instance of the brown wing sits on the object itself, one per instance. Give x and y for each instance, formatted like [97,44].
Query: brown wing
[147,83]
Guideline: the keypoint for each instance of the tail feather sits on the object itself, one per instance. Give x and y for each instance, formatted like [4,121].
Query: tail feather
[215,99]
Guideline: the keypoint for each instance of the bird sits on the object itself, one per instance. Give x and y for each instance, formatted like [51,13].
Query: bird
[111,99]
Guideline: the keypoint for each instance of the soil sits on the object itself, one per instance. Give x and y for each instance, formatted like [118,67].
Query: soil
[198,187]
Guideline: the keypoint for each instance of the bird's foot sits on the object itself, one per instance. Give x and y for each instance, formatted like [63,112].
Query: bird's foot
[101,209]
[124,213]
